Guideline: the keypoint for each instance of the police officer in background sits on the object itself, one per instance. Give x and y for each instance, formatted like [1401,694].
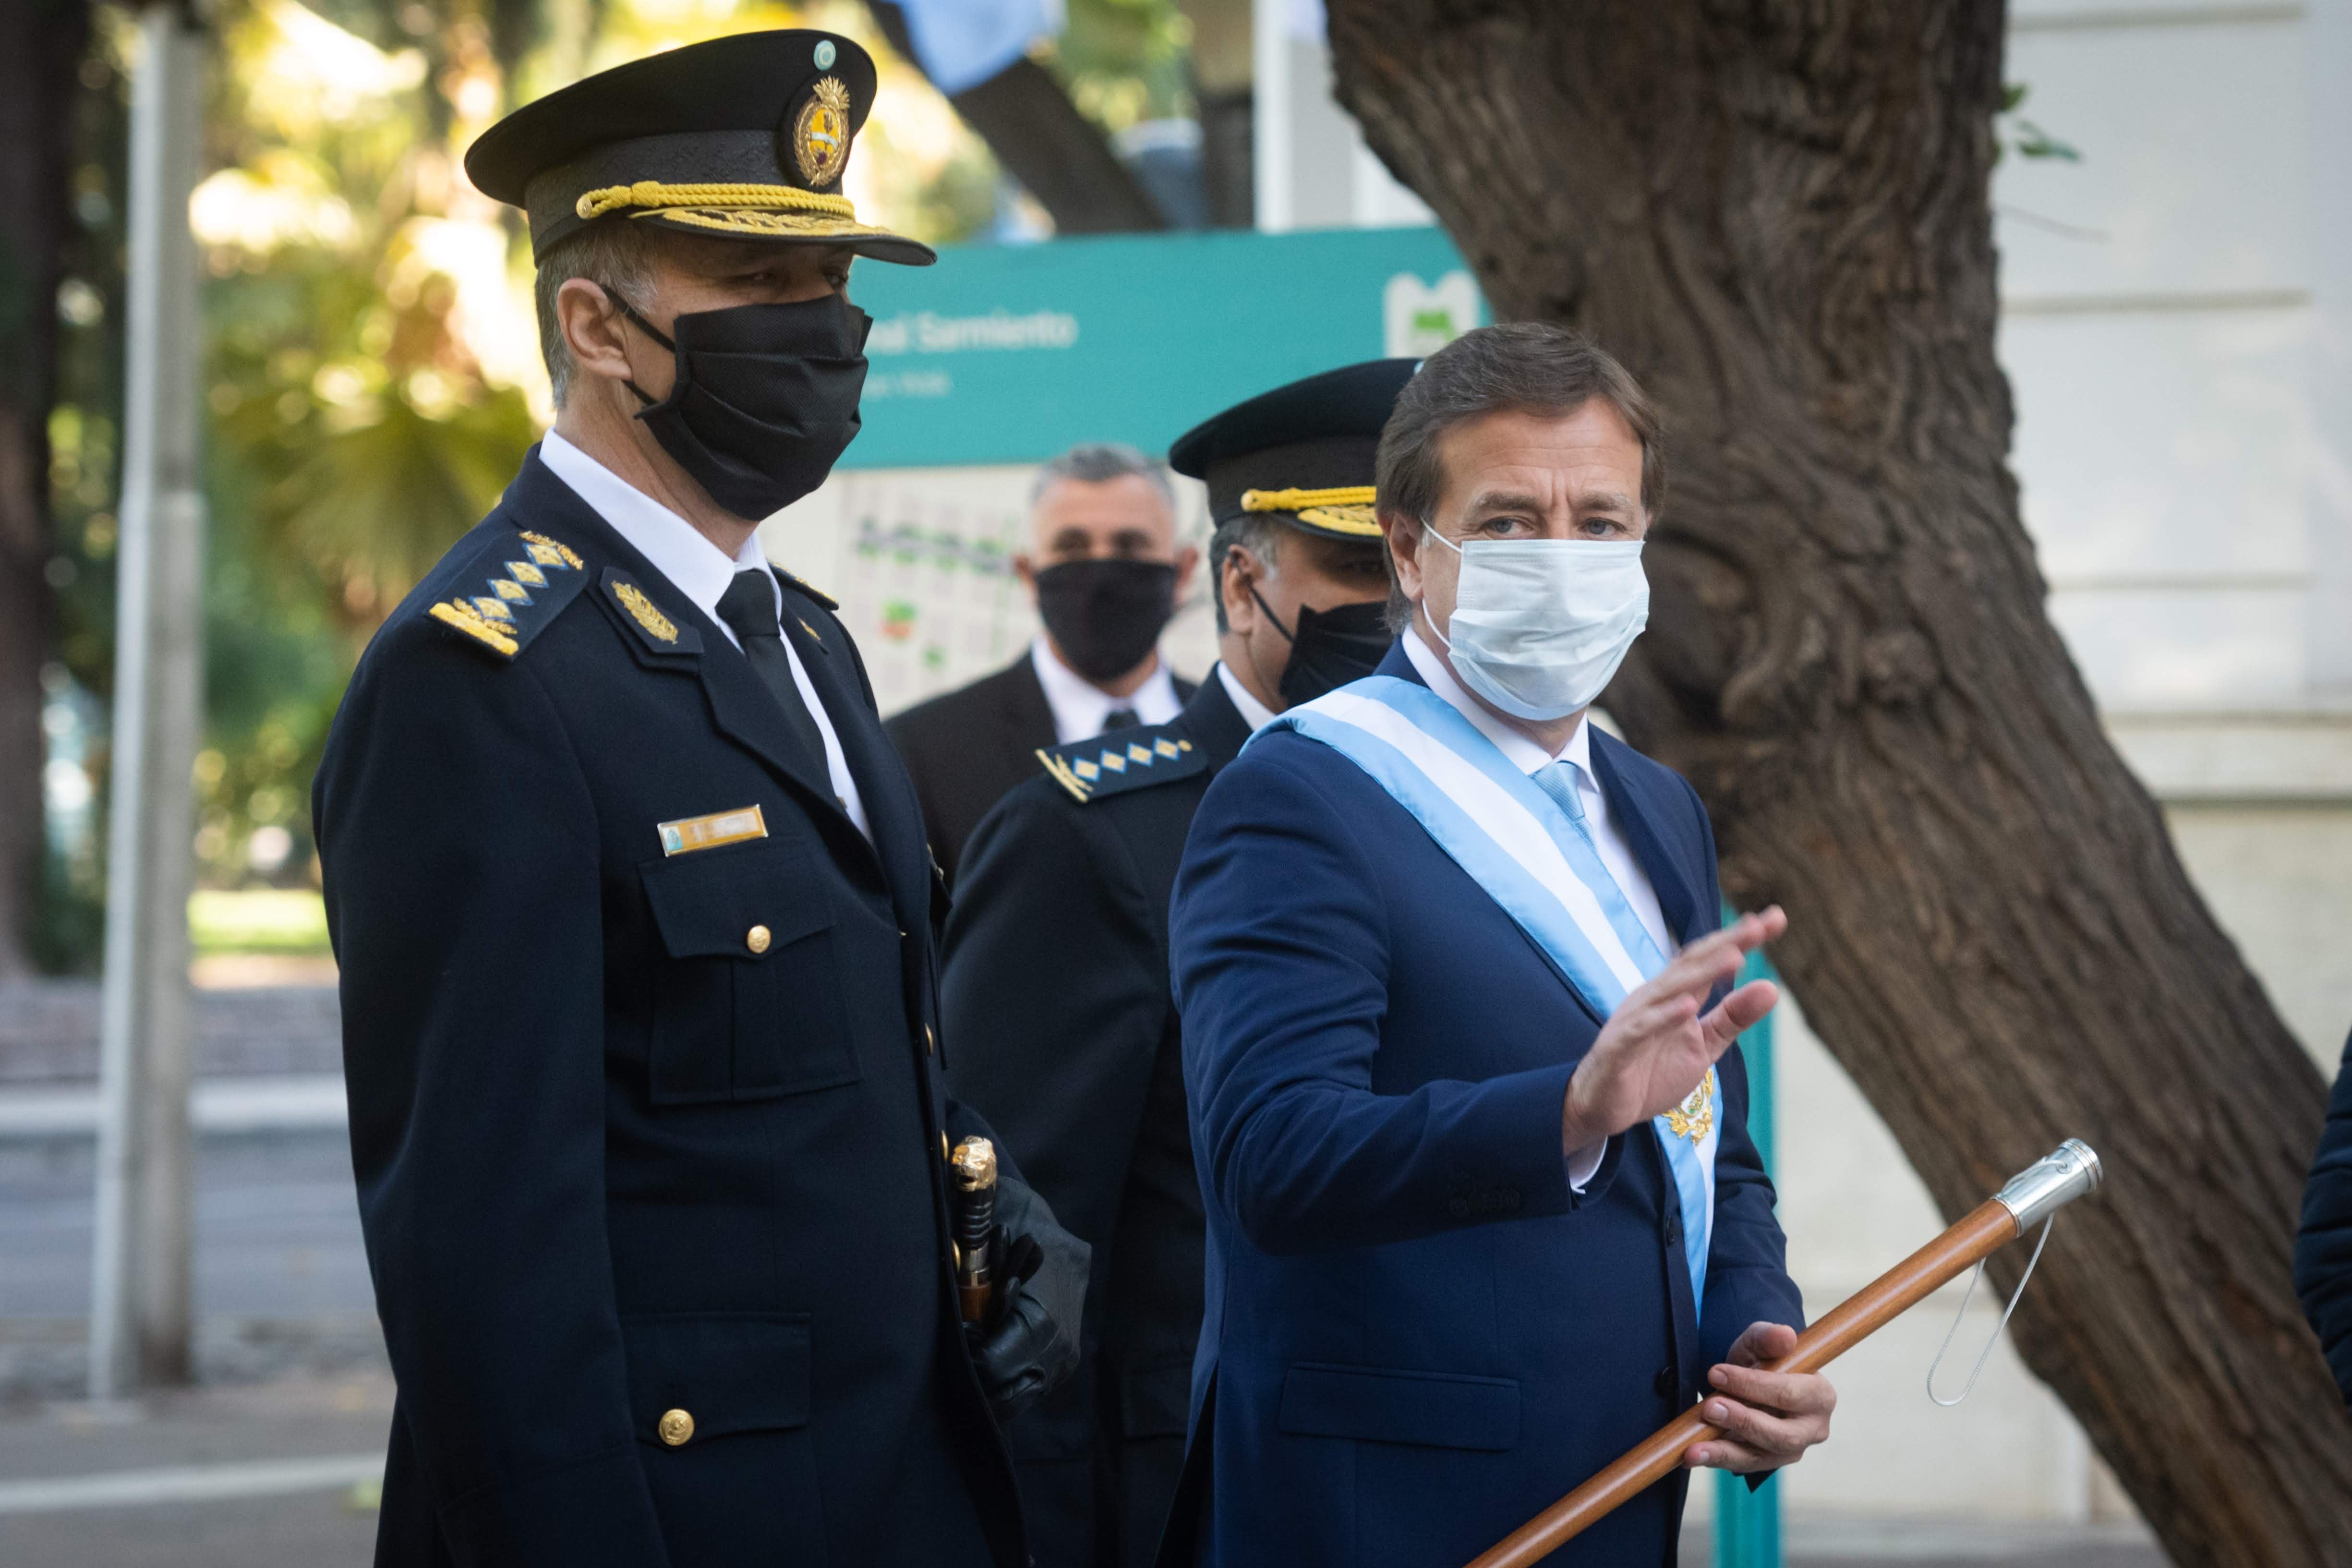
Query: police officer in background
[1105,572]
[634,919]
[1055,985]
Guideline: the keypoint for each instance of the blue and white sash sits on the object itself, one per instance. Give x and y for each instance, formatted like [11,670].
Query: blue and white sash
[1535,861]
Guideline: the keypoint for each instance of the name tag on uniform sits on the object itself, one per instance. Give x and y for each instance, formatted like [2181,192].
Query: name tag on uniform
[691,832]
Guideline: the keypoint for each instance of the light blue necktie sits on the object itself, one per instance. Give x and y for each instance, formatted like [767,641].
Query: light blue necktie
[1557,780]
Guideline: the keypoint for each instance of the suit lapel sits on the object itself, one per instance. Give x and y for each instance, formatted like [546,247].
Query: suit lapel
[892,812]
[1637,816]
[1028,725]
[740,705]
[746,711]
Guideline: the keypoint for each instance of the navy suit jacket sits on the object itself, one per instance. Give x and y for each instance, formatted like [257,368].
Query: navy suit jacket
[1417,1335]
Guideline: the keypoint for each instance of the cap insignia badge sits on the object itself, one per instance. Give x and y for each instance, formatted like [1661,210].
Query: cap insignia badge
[824,53]
[820,134]
[632,599]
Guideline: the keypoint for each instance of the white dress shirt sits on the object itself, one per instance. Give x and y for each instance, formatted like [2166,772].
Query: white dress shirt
[1616,854]
[1255,714]
[698,569]
[1080,706]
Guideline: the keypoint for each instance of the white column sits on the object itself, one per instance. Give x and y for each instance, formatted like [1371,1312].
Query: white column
[140,1305]
[2328,483]
[1313,169]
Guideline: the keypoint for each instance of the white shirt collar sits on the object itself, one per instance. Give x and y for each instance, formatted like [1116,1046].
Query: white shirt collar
[1255,714]
[677,550]
[1524,753]
[1080,706]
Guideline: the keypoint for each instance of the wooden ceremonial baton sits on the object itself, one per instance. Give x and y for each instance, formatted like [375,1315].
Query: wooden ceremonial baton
[2030,1196]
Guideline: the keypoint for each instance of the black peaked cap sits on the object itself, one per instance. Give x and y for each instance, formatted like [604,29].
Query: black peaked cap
[1319,433]
[770,116]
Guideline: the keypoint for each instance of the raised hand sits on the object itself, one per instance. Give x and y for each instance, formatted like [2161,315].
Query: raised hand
[1657,1045]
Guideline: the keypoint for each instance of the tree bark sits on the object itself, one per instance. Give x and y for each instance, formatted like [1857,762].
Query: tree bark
[1778,215]
[1041,140]
[40,47]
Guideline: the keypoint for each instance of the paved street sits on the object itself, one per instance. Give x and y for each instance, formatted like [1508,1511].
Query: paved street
[271,1462]
[282,1467]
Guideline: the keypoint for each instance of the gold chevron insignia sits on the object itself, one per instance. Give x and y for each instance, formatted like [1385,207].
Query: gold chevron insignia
[458,614]
[548,552]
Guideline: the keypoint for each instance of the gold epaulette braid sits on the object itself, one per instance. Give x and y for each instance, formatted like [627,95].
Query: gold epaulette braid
[1345,508]
[653,195]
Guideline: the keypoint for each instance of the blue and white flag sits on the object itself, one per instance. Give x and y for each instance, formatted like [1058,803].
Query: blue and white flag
[1535,861]
[962,43]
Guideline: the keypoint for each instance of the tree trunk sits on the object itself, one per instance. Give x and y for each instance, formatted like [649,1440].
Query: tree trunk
[40,47]
[1043,141]
[1777,215]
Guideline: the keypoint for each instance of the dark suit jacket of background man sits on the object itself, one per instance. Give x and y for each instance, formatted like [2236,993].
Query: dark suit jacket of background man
[2323,1249]
[1054,989]
[1417,1335]
[967,747]
[615,1157]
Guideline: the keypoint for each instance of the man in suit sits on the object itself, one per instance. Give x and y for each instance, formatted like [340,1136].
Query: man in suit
[1467,1108]
[647,1111]
[1055,980]
[2323,1247]
[1103,571]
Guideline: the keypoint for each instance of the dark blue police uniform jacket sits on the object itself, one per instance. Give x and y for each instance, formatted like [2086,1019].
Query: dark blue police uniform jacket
[1417,1335]
[617,1157]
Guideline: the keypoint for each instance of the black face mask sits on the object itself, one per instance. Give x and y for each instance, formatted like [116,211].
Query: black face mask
[1105,615]
[766,397]
[1331,647]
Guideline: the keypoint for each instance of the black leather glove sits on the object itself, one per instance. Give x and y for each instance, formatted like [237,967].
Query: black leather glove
[1030,1342]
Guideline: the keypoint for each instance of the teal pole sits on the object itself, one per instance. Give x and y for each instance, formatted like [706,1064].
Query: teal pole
[1747,1524]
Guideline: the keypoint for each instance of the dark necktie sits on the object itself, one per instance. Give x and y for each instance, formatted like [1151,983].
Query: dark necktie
[749,607]
[1120,719]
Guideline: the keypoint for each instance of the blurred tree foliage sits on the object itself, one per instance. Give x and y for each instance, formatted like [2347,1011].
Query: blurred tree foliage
[1123,60]
[371,373]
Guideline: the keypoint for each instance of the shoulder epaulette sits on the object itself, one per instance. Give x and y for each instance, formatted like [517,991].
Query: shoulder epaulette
[1121,761]
[509,589]
[797,586]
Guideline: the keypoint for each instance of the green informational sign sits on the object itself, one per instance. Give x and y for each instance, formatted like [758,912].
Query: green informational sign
[1013,353]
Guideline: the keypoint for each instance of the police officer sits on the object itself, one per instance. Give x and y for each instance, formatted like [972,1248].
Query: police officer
[634,917]
[1056,985]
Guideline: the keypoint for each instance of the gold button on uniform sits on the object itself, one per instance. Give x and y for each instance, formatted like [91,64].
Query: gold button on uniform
[756,939]
[943,1147]
[930,1042]
[674,1427]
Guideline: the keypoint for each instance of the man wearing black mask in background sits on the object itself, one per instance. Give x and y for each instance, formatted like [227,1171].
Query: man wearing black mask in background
[1054,989]
[629,892]
[1105,572]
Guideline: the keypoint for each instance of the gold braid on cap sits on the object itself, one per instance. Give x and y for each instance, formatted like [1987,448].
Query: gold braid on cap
[652,196]
[1344,509]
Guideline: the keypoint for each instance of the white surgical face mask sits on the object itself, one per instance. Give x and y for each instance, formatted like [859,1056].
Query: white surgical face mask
[1540,624]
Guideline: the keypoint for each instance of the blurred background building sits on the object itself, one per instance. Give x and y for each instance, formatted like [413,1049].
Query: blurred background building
[2176,237]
